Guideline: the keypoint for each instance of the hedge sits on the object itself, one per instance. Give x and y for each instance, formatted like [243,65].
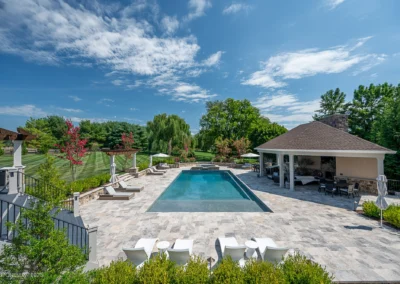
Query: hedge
[295,269]
[390,215]
[88,183]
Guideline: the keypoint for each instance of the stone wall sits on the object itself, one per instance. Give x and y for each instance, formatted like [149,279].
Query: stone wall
[366,185]
[339,121]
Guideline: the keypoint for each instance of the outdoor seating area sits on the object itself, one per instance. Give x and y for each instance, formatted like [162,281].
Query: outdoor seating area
[322,232]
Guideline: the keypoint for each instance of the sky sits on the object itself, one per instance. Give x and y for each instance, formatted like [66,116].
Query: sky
[131,60]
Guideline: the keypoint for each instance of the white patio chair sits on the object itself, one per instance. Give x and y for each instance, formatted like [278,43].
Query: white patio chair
[158,171]
[229,246]
[124,186]
[141,252]
[153,172]
[269,251]
[181,252]
[113,195]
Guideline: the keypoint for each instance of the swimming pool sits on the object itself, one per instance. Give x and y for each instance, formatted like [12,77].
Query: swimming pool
[208,191]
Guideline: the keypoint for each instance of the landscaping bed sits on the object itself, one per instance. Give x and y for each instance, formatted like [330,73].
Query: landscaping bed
[391,216]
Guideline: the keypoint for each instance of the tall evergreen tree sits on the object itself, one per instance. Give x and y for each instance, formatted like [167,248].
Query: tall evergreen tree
[332,102]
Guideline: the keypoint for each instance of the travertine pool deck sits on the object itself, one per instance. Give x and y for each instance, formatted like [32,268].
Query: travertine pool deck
[324,228]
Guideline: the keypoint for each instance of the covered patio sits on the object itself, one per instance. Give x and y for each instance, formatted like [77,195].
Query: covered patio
[329,153]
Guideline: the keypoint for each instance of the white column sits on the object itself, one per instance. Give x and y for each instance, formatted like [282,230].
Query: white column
[281,170]
[17,153]
[134,161]
[92,232]
[76,204]
[13,181]
[381,170]
[151,161]
[262,165]
[112,161]
[291,170]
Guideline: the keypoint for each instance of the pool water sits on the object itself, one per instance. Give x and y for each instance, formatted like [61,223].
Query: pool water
[207,191]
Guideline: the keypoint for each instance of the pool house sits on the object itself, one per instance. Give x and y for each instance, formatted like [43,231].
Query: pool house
[323,149]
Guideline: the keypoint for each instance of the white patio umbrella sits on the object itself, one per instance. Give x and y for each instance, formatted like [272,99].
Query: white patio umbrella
[250,155]
[113,178]
[159,155]
[382,192]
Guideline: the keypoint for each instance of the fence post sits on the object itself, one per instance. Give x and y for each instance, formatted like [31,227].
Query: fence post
[76,204]
[13,182]
[92,232]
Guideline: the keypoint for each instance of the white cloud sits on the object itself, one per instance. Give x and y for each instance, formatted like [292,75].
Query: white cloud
[106,102]
[79,119]
[214,59]
[117,82]
[133,109]
[120,40]
[70,109]
[310,62]
[188,93]
[332,4]
[235,8]
[75,98]
[197,8]
[170,24]
[286,108]
[22,110]
[57,31]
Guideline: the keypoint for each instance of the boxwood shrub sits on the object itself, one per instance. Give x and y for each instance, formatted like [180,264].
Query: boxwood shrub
[392,215]
[159,269]
[88,183]
[371,210]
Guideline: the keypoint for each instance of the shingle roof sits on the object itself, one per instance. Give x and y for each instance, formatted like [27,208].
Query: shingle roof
[319,136]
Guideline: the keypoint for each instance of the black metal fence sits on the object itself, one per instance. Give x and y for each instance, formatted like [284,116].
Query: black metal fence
[12,213]
[45,191]
[393,185]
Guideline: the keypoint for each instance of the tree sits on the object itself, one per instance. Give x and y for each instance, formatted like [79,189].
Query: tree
[73,147]
[241,145]
[167,131]
[49,175]
[37,249]
[127,144]
[264,131]
[332,102]
[57,127]
[43,141]
[366,105]
[230,119]
[223,147]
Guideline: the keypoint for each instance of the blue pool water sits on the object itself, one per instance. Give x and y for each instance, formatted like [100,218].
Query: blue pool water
[207,191]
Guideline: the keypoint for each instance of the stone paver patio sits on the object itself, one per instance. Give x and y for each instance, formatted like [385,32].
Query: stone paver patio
[325,229]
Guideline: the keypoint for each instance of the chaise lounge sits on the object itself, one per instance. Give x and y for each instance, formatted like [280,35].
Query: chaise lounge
[269,251]
[153,172]
[125,187]
[113,195]
[229,246]
[141,252]
[181,252]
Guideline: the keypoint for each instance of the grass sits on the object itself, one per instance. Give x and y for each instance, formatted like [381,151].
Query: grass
[94,163]
[204,156]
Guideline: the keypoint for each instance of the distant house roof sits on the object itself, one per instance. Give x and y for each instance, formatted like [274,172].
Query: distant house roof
[317,136]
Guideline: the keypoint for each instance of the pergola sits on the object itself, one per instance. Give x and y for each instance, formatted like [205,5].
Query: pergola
[316,139]
[113,152]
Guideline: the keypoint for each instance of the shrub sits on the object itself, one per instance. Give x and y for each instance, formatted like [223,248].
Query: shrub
[298,269]
[228,271]
[143,165]
[392,215]
[157,270]
[371,210]
[192,159]
[196,271]
[118,272]
[88,183]
[262,272]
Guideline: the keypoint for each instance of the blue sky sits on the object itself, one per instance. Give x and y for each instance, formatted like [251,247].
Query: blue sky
[130,60]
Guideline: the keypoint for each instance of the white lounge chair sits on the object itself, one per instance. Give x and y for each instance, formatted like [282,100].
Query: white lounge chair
[163,166]
[230,246]
[142,251]
[158,171]
[269,251]
[113,195]
[124,186]
[181,252]
[153,172]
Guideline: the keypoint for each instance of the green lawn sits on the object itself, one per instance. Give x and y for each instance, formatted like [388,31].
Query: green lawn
[93,164]
[204,156]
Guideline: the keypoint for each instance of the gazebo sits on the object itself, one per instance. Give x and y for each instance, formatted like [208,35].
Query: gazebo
[15,172]
[354,158]
[113,166]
